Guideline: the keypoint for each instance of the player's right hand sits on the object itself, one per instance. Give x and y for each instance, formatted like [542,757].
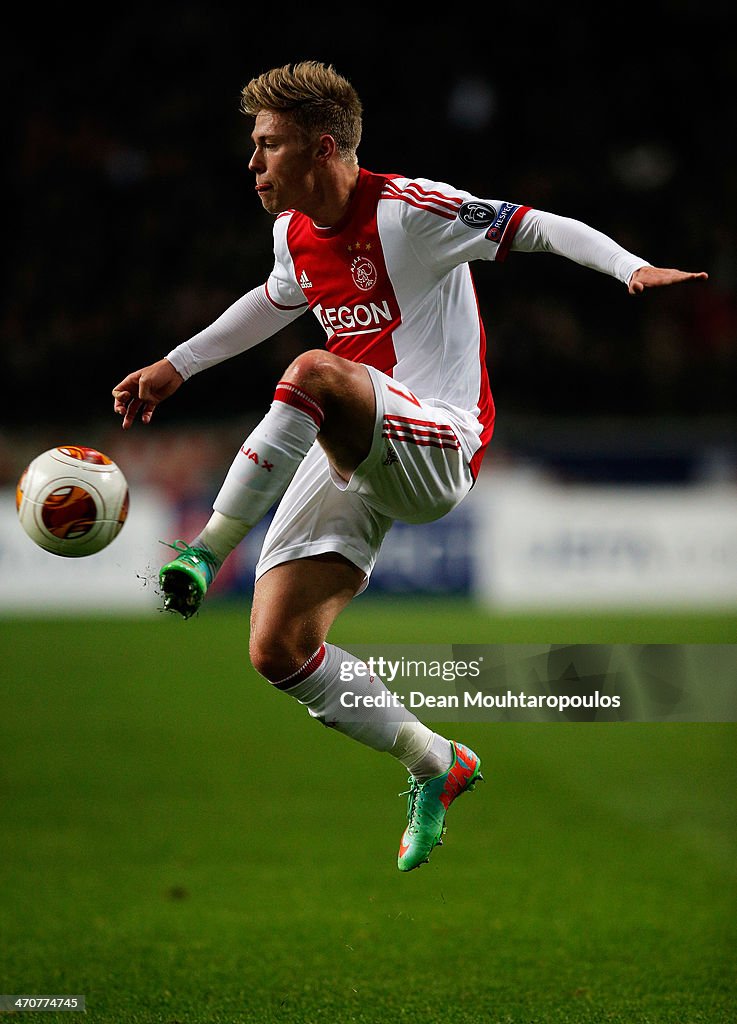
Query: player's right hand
[142,391]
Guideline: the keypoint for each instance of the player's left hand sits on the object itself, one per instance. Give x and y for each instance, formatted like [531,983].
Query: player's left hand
[655,277]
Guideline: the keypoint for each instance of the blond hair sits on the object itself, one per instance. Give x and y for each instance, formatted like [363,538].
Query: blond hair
[317,99]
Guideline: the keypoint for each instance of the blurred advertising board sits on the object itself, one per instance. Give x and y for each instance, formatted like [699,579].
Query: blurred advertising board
[541,543]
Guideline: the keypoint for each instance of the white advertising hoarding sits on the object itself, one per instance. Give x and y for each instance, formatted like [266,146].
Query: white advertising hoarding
[545,544]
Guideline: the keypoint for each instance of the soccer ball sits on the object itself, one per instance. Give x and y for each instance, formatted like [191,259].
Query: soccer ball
[72,501]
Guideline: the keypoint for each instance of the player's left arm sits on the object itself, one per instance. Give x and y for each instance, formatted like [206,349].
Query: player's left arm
[540,231]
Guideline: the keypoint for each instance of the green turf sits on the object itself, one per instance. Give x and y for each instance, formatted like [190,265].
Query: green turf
[180,843]
[372,620]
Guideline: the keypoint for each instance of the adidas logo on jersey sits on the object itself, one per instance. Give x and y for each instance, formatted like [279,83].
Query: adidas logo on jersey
[304,281]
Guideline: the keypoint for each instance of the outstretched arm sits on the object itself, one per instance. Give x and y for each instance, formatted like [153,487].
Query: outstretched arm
[540,231]
[249,321]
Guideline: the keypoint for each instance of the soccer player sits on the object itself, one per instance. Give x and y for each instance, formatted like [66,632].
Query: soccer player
[390,422]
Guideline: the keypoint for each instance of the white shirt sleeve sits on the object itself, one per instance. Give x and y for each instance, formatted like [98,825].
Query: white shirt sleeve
[249,321]
[448,226]
[539,231]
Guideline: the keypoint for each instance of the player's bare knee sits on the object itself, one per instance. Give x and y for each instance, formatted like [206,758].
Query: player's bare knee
[317,372]
[275,660]
[266,659]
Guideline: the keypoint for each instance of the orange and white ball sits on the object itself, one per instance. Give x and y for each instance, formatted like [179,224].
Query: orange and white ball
[72,500]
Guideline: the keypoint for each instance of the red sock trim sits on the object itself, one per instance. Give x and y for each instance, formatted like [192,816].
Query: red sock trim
[310,666]
[290,394]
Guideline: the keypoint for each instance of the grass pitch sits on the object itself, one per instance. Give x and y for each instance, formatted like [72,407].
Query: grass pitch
[180,843]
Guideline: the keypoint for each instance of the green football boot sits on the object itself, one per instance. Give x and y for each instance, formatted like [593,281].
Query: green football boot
[429,802]
[184,581]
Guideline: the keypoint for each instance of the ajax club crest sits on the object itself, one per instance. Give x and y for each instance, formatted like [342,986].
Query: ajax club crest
[363,273]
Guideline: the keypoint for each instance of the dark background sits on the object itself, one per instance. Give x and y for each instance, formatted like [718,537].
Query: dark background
[130,220]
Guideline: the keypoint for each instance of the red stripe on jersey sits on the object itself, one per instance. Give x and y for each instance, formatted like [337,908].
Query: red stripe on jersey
[420,432]
[509,232]
[423,202]
[419,423]
[423,193]
[290,394]
[421,442]
[423,197]
[437,440]
[429,193]
[485,402]
[421,206]
[420,426]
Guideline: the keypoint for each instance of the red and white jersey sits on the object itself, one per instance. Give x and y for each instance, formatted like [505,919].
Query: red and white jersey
[392,288]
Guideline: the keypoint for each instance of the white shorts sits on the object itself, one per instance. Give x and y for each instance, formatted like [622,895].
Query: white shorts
[415,472]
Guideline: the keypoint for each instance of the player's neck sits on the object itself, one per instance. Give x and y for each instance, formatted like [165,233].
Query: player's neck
[334,198]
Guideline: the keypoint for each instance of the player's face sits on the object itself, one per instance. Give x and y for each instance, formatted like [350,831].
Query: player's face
[282,163]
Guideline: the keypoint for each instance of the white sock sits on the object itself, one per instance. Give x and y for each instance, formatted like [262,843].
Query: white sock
[263,468]
[329,674]
[221,534]
[423,753]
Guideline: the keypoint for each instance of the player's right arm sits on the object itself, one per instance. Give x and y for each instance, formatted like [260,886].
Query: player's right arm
[142,391]
[251,319]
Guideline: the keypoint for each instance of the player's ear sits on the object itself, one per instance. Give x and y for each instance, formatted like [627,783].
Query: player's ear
[325,149]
